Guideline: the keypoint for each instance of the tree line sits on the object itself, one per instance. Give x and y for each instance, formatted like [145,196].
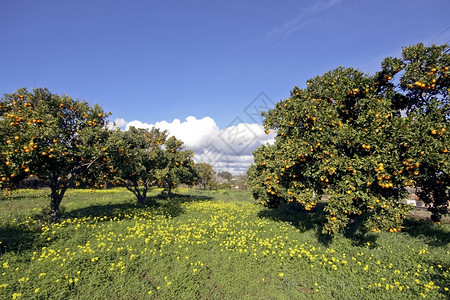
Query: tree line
[360,139]
[65,143]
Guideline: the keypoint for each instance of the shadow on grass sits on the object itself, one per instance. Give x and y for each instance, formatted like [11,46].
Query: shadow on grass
[300,219]
[437,278]
[359,235]
[314,220]
[17,239]
[432,234]
[160,205]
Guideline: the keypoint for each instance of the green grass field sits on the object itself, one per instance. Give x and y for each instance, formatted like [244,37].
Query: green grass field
[207,245]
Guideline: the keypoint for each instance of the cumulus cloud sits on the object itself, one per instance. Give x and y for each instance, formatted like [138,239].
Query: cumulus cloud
[118,122]
[228,149]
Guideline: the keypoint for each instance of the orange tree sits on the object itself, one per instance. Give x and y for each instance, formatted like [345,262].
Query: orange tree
[354,137]
[134,158]
[178,165]
[422,91]
[204,175]
[55,138]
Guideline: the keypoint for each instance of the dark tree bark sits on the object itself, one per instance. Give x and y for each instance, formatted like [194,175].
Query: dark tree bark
[56,196]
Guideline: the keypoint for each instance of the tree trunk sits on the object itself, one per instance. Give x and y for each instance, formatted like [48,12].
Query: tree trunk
[55,201]
[142,197]
[56,197]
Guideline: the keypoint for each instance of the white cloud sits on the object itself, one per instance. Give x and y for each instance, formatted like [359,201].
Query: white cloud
[194,133]
[229,149]
[118,122]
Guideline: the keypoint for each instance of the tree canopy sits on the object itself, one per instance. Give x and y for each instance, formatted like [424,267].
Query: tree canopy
[135,157]
[178,165]
[204,174]
[361,140]
[55,138]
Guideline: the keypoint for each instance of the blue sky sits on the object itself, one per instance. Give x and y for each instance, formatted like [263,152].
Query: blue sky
[156,61]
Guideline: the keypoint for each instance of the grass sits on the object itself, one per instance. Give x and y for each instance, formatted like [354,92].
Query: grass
[207,245]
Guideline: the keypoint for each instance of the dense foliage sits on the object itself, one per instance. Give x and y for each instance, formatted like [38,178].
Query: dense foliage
[139,159]
[204,175]
[54,138]
[362,140]
[134,158]
[178,166]
[65,143]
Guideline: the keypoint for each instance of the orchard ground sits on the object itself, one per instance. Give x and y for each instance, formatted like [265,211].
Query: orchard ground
[208,245]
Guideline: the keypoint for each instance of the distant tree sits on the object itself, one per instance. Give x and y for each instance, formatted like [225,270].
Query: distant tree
[225,175]
[178,165]
[204,175]
[135,157]
[241,181]
[56,138]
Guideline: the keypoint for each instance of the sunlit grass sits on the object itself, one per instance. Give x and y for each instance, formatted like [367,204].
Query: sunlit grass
[206,245]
